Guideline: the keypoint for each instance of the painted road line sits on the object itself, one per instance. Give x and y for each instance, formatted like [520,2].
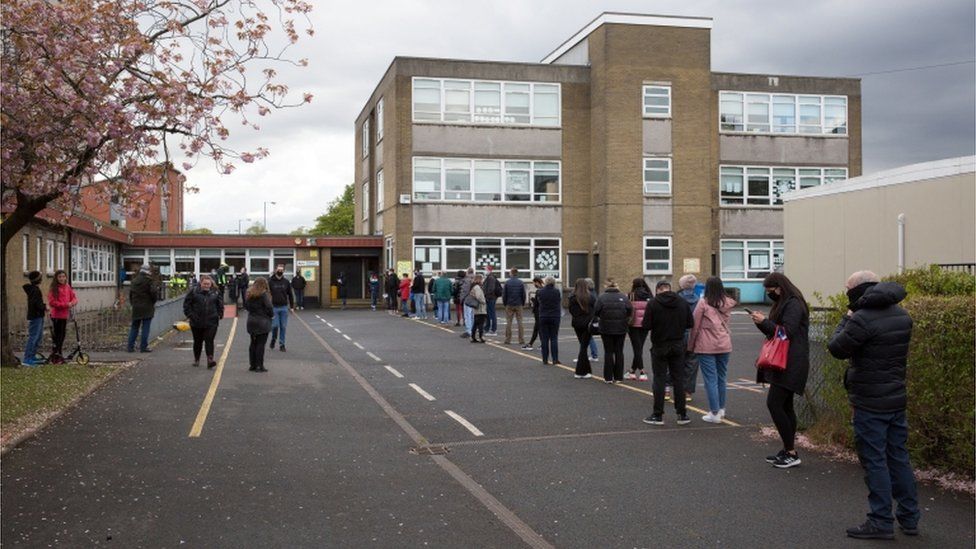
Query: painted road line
[318,317]
[347,337]
[394,372]
[329,323]
[214,382]
[323,320]
[422,392]
[467,424]
[374,357]
[337,330]
[356,343]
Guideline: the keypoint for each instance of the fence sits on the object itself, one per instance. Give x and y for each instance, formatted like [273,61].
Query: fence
[822,367]
[969,268]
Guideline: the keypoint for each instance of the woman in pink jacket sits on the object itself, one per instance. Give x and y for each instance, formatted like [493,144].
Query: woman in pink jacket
[711,340]
[61,298]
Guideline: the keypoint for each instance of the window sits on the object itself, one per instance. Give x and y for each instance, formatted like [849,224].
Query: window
[657,255]
[531,256]
[25,251]
[657,175]
[379,191]
[259,262]
[485,102]
[185,262]
[365,138]
[389,253]
[93,261]
[765,186]
[50,257]
[285,257]
[782,113]
[38,241]
[365,199]
[379,120]
[457,179]
[657,101]
[60,253]
[751,259]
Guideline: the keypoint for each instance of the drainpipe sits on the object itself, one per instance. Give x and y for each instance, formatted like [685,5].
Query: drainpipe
[901,243]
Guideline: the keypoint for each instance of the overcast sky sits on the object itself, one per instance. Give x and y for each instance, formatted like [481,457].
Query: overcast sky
[908,116]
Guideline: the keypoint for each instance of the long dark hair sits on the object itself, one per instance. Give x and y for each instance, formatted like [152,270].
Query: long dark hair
[582,294]
[258,289]
[55,285]
[639,284]
[779,280]
[714,292]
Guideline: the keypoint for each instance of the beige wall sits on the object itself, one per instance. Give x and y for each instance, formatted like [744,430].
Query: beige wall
[830,236]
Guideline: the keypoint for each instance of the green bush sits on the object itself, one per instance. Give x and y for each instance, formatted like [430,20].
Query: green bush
[941,373]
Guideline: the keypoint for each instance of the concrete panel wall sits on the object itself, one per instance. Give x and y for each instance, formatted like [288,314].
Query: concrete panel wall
[487,142]
[828,237]
[577,55]
[657,215]
[750,222]
[477,219]
[788,150]
[657,136]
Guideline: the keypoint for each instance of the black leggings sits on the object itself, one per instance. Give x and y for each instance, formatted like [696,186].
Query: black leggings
[638,336]
[255,352]
[203,336]
[479,327]
[535,330]
[59,327]
[780,404]
[583,358]
[613,365]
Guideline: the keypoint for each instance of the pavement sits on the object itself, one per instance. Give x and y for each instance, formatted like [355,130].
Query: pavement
[374,430]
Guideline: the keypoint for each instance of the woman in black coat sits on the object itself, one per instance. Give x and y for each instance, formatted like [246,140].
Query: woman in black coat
[791,312]
[581,305]
[204,307]
[614,310]
[257,301]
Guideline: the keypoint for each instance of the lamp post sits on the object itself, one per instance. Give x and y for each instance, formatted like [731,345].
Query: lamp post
[266,214]
[239,221]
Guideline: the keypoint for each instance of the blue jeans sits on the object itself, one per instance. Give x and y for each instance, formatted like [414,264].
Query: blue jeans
[418,304]
[882,440]
[300,298]
[714,369]
[593,348]
[492,324]
[279,323]
[468,319]
[372,297]
[444,310]
[134,329]
[35,331]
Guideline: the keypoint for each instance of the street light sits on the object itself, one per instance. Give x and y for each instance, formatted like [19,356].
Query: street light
[239,225]
[266,214]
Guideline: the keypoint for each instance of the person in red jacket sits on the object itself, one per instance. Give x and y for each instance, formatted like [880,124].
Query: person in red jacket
[61,299]
[405,294]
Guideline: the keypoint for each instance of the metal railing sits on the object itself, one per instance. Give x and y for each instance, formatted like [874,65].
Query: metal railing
[969,268]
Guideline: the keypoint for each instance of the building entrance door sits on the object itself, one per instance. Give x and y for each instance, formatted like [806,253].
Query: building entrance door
[578,267]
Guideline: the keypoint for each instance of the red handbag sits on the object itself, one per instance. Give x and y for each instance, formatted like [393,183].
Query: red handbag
[774,351]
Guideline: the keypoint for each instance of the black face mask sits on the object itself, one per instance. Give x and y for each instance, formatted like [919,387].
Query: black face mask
[854,294]
[279,274]
[773,296]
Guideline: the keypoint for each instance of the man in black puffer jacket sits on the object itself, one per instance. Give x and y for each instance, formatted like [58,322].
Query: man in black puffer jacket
[875,335]
[667,317]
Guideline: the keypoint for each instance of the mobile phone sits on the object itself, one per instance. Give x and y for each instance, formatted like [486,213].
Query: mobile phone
[747,310]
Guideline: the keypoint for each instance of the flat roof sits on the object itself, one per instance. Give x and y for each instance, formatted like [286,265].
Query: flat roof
[628,19]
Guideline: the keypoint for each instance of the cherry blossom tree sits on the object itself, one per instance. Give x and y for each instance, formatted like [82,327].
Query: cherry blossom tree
[94,89]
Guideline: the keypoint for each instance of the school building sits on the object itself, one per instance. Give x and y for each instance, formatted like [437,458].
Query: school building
[621,154]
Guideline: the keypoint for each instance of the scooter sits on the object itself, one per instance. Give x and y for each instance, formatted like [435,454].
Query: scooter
[77,354]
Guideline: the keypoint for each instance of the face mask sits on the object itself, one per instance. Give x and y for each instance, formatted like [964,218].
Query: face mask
[772,295]
[854,294]
[279,273]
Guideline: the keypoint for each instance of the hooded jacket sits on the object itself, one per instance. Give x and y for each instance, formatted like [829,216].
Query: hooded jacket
[142,296]
[203,308]
[710,334]
[280,289]
[419,285]
[613,309]
[61,302]
[875,339]
[35,302]
[298,282]
[667,316]
[492,288]
[794,317]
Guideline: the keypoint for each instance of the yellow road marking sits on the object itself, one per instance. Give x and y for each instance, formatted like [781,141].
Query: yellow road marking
[208,400]
[567,368]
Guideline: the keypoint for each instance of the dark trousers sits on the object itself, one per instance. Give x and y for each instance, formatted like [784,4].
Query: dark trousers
[59,327]
[134,329]
[613,351]
[255,351]
[638,336]
[780,404]
[583,358]
[882,440]
[669,358]
[492,316]
[300,298]
[535,330]
[459,310]
[391,301]
[201,337]
[479,327]
[549,335]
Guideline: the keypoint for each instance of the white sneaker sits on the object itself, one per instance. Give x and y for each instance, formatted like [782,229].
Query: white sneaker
[587,376]
[630,375]
[721,413]
[643,377]
[712,418]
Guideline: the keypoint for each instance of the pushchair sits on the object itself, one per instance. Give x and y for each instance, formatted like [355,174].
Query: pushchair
[77,354]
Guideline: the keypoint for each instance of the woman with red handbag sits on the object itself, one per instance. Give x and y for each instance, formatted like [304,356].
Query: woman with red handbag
[789,318]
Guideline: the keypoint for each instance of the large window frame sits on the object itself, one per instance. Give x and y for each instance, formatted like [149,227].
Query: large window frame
[657,165]
[49,256]
[750,259]
[658,265]
[462,180]
[379,190]
[783,113]
[379,120]
[533,256]
[365,200]
[748,181]
[365,147]
[93,262]
[486,102]
[652,91]
[25,249]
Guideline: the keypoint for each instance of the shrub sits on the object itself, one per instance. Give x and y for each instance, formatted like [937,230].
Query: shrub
[934,280]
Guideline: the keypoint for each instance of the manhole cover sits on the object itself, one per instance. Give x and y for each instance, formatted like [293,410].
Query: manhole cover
[430,450]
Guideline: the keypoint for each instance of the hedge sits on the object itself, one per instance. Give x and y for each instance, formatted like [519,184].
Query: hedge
[941,401]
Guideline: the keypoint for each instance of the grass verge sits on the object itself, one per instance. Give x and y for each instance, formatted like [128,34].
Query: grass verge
[29,397]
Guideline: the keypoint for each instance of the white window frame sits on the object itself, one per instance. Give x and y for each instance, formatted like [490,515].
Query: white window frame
[503,166]
[60,255]
[379,190]
[25,249]
[799,99]
[502,118]
[39,243]
[365,138]
[93,262]
[379,120]
[504,243]
[645,169]
[390,263]
[822,179]
[49,256]
[644,89]
[771,246]
[669,248]
[365,200]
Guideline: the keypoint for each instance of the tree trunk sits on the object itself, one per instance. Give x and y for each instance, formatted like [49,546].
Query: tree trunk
[26,210]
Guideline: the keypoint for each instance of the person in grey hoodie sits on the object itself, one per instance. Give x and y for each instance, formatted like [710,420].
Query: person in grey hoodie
[468,311]
[687,284]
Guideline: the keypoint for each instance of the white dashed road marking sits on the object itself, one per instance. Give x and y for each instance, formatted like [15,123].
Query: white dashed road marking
[347,337]
[467,424]
[422,392]
[393,371]
[374,357]
[337,330]
[356,343]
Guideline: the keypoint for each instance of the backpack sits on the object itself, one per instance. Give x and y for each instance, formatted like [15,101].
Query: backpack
[456,289]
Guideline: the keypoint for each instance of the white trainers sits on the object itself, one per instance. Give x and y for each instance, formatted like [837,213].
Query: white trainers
[631,376]
[642,377]
[712,418]
[721,413]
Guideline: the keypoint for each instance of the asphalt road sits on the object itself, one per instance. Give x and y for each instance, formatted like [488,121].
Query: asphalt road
[331,448]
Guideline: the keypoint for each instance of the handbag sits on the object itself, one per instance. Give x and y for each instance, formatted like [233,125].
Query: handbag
[471,301]
[595,326]
[774,351]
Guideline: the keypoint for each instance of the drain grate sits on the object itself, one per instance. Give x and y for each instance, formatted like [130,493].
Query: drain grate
[430,450]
